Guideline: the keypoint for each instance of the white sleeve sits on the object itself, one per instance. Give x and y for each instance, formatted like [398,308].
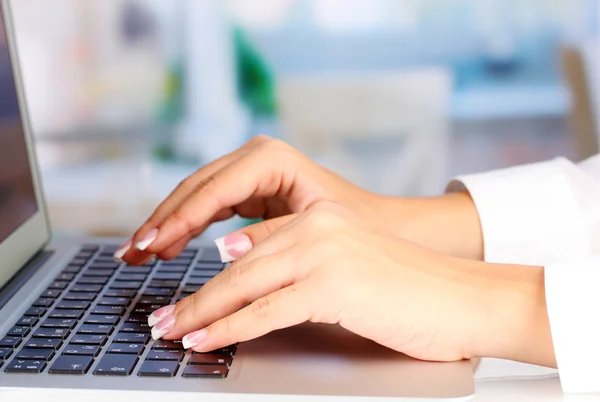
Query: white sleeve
[537,214]
[549,214]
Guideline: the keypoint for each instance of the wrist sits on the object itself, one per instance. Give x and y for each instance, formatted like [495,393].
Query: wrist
[448,223]
[511,319]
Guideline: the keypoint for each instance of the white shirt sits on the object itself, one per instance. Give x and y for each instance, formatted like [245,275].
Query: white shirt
[549,214]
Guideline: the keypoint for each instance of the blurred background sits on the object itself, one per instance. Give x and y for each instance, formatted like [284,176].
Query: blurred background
[127,97]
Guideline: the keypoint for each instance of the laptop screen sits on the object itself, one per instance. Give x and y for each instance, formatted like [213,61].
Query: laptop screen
[17,196]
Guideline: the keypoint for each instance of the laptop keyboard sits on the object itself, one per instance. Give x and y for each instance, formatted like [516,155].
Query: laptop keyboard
[92,319]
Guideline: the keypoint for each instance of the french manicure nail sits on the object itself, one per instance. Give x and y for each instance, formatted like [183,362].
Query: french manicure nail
[118,256]
[233,246]
[147,240]
[159,314]
[163,326]
[194,338]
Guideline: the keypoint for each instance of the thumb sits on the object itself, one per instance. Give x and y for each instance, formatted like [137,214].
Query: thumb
[237,244]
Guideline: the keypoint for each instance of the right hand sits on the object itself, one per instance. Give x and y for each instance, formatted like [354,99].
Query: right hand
[267,178]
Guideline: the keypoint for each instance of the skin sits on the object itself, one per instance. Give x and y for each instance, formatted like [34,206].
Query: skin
[406,273]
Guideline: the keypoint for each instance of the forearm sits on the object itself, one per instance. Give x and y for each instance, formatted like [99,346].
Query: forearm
[448,224]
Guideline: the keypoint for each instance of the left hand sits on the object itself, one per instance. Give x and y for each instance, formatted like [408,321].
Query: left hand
[330,266]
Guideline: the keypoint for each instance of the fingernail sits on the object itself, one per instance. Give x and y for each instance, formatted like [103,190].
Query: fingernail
[159,314]
[118,256]
[233,246]
[163,326]
[194,338]
[147,240]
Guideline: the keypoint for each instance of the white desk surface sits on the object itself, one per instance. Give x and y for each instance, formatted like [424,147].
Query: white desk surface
[496,381]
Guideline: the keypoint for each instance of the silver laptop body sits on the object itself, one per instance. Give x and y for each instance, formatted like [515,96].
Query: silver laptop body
[46,284]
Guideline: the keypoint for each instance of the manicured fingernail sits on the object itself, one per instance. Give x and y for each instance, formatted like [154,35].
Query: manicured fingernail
[147,240]
[118,256]
[163,326]
[233,246]
[159,314]
[194,338]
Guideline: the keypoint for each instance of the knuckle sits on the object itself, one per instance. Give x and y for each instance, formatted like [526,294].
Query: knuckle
[322,221]
[179,218]
[262,307]
[237,274]
[259,139]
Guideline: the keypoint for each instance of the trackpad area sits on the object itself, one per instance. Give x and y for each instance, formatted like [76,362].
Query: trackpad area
[329,360]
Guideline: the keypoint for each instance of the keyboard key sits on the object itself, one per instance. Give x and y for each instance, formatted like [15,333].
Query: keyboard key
[126,285]
[158,368]
[99,272]
[210,359]
[35,354]
[85,288]
[172,345]
[165,355]
[76,314]
[120,293]
[85,296]
[190,251]
[116,364]
[73,305]
[71,365]
[26,366]
[43,343]
[67,277]
[131,337]
[10,341]
[92,248]
[18,331]
[159,292]
[137,318]
[51,293]
[97,329]
[186,261]
[114,301]
[173,268]
[136,270]
[102,319]
[227,350]
[82,350]
[5,353]
[197,280]
[138,327]
[205,273]
[190,288]
[78,261]
[164,300]
[60,333]
[170,276]
[35,311]
[27,321]
[209,265]
[210,255]
[131,277]
[104,264]
[84,339]
[84,254]
[58,285]
[68,323]
[72,269]
[146,308]
[109,310]
[126,348]
[92,280]
[43,302]
[159,283]
[200,370]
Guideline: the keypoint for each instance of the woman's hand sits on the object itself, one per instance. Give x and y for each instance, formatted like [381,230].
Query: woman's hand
[267,178]
[329,265]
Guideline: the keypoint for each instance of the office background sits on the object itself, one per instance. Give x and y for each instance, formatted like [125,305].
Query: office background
[127,97]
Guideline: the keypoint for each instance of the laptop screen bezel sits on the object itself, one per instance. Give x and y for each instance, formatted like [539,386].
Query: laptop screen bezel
[20,246]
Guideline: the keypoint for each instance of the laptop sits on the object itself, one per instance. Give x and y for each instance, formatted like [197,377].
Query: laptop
[72,318]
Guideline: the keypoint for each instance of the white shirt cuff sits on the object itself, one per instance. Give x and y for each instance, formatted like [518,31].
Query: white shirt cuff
[529,214]
[572,298]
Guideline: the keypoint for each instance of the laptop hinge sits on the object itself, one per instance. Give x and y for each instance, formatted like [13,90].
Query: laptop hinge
[23,275]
